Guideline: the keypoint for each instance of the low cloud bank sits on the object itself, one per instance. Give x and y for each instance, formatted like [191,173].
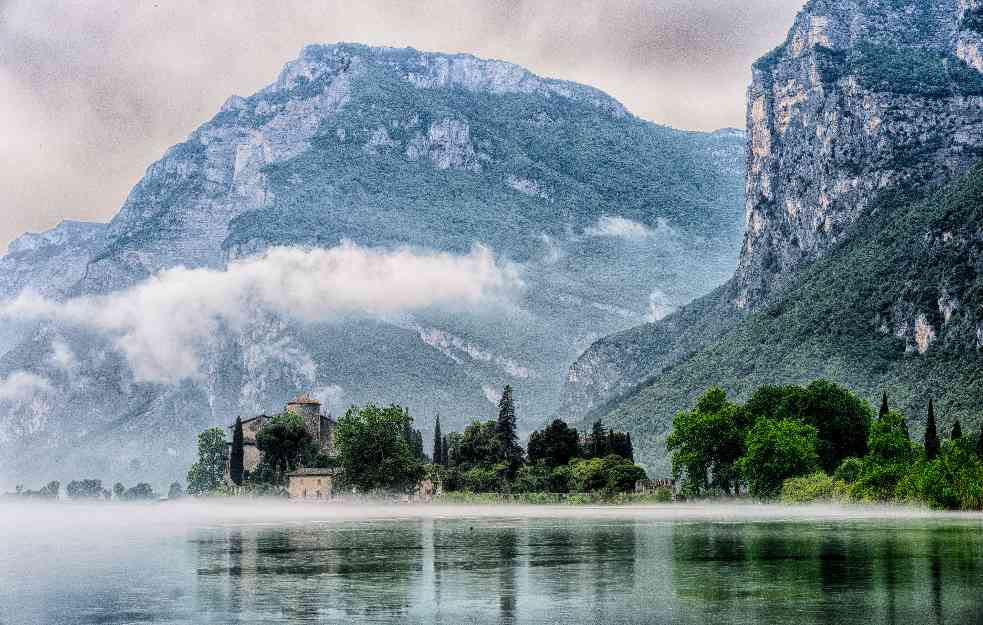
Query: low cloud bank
[624,228]
[160,325]
[22,386]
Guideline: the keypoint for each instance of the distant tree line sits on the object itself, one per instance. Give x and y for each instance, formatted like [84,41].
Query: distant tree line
[378,449]
[92,490]
[487,457]
[821,441]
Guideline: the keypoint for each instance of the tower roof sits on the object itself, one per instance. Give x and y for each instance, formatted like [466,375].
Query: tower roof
[303,399]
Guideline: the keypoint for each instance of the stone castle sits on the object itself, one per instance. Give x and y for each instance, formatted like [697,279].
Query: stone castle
[321,428]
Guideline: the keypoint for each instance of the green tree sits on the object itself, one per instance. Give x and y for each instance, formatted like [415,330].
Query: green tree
[118,490]
[446,449]
[51,490]
[85,489]
[478,445]
[511,452]
[286,444]
[373,449]
[891,455]
[842,419]
[706,443]
[597,443]
[175,491]
[438,443]
[931,436]
[777,450]
[237,454]
[957,430]
[619,444]
[208,473]
[554,445]
[141,491]
[979,444]
[610,474]
[884,409]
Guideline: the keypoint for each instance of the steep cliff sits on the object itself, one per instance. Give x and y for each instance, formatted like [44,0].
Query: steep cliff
[862,97]
[862,100]
[610,220]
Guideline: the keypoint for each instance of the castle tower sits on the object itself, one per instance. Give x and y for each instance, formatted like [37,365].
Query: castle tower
[310,411]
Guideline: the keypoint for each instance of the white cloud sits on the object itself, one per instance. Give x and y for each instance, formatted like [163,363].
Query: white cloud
[659,308]
[62,356]
[164,324]
[22,386]
[331,397]
[624,228]
[492,393]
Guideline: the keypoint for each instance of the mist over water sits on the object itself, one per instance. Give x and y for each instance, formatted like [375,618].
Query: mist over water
[277,562]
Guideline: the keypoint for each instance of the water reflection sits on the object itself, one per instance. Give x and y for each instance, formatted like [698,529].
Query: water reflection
[510,570]
[768,573]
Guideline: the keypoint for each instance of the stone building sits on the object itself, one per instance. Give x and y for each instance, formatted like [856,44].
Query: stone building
[321,428]
[312,483]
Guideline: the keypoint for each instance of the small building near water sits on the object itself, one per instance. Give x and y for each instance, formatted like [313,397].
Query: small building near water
[314,484]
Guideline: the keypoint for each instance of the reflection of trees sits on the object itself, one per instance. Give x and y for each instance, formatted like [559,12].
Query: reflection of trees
[507,553]
[304,573]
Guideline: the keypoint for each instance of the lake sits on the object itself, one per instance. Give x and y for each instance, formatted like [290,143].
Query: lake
[238,563]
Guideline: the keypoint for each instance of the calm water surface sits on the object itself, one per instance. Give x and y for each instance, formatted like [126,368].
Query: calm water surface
[640,567]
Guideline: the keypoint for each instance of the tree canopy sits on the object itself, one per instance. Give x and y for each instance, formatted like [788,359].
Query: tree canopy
[373,448]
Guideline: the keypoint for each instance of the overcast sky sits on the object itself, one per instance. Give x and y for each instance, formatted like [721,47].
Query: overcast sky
[92,92]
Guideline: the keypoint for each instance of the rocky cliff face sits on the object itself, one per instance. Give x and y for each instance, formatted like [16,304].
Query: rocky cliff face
[385,148]
[861,99]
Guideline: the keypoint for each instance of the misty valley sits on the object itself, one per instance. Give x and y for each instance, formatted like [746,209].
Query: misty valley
[411,336]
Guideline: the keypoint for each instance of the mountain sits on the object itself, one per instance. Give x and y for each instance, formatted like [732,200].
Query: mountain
[858,262]
[609,219]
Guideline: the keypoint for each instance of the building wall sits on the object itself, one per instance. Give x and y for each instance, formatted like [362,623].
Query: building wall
[310,486]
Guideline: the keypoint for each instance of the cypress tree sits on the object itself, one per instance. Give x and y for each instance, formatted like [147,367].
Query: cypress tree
[979,444]
[598,440]
[884,409]
[237,457]
[506,429]
[446,448]
[438,443]
[631,450]
[931,436]
[957,430]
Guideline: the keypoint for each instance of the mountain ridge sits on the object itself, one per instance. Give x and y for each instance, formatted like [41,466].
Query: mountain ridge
[346,145]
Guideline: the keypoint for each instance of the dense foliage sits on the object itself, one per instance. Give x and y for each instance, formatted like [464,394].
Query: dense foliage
[773,446]
[374,450]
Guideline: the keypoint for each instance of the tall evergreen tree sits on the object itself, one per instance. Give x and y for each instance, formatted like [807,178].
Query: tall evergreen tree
[237,454]
[957,430]
[446,447]
[979,444]
[931,436]
[438,443]
[510,452]
[598,440]
[884,409]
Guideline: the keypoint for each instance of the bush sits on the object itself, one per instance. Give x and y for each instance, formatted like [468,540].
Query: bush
[849,470]
[814,488]
[485,479]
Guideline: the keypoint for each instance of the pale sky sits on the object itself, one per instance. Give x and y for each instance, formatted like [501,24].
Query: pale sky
[92,92]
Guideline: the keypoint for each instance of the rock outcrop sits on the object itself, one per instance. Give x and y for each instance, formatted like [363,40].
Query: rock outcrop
[862,97]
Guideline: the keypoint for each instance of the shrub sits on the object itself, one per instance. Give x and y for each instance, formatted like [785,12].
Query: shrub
[849,470]
[814,488]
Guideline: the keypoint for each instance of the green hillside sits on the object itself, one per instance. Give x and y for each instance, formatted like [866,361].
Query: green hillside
[909,274]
